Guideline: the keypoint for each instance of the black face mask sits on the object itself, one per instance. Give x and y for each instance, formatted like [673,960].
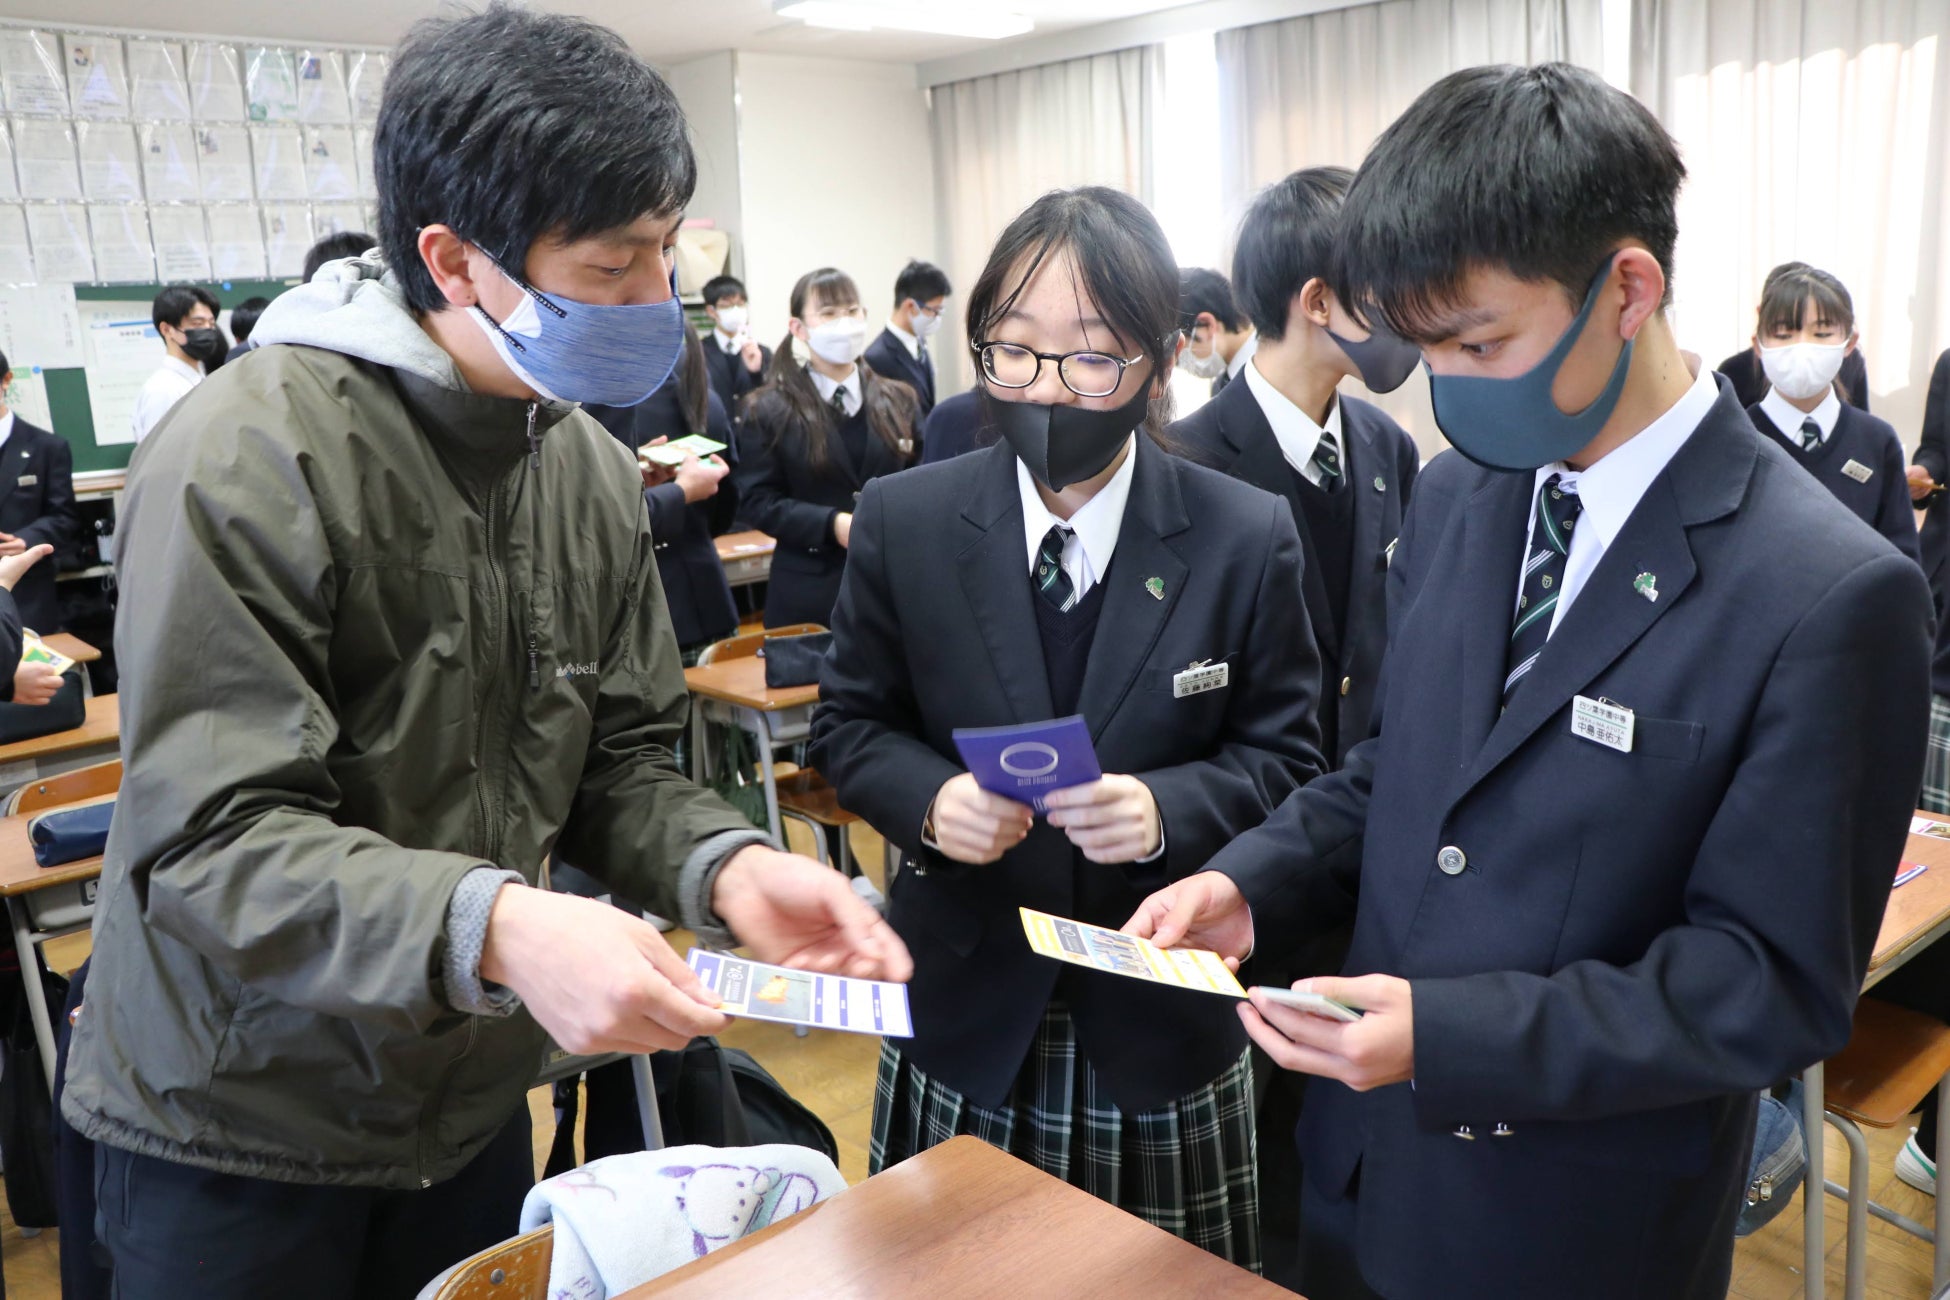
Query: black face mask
[1062,445]
[205,345]
[1384,358]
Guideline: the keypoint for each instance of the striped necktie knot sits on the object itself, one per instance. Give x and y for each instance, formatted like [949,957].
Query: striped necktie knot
[1558,508]
[1052,580]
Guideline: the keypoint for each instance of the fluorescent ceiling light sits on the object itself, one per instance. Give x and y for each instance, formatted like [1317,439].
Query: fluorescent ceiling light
[931,16]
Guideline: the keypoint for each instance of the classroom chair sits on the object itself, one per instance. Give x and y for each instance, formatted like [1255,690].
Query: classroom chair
[68,787]
[1893,1059]
[515,1269]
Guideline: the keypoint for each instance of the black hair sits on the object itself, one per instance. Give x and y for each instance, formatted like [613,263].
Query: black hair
[243,317]
[921,281]
[4,367]
[512,125]
[720,287]
[693,383]
[1541,172]
[1287,238]
[1791,287]
[789,403]
[1203,291]
[178,301]
[332,248]
[1122,257]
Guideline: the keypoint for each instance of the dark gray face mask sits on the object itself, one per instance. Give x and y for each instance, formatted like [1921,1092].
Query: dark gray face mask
[1062,445]
[1384,358]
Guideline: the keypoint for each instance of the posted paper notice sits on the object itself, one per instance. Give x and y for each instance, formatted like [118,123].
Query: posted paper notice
[757,991]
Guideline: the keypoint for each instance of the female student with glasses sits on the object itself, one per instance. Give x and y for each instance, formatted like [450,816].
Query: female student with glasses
[1072,568]
[821,429]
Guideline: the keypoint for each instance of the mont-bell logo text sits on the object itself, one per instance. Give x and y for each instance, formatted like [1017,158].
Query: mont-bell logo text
[576,670]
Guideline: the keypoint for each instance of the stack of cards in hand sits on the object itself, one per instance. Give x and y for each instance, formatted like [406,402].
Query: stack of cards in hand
[756,991]
[672,454]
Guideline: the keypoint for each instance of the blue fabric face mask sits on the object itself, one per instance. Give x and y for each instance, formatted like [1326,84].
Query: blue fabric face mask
[1515,424]
[569,351]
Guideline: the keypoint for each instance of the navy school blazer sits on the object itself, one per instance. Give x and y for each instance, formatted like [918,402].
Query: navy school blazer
[890,358]
[1231,433]
[935,630]
[1609,951]
[37,505]
[1862,464]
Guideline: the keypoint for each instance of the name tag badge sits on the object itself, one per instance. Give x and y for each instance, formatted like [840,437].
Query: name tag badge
[1200,678]
[1856,470]
[29,480]
[1602,721]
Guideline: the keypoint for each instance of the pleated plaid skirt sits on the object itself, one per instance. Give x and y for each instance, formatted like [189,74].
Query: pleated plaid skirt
[1187,1167]
[1936,764]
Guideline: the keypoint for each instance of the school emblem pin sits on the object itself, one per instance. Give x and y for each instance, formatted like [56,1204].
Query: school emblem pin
[1646,585]
[1156,586]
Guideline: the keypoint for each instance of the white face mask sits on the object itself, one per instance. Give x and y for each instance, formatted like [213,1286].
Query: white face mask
[925,325]
[1209,366]
[732,320]
[1802,370]
[839,342]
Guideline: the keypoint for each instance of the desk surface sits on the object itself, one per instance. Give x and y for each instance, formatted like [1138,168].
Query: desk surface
[743,546]
[1917,911]
[959,1220]
[742,682]
[20,874]
[73,647]
[102,725]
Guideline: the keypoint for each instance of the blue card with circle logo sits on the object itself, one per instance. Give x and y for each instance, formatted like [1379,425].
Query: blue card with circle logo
[1026,761]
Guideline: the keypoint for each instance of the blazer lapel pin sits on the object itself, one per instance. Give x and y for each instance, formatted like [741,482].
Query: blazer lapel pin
[1647,585]
[1156,586]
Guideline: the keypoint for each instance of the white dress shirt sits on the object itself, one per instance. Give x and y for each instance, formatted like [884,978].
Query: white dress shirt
[1295,430]
[1092,530]
[726,342]
[908,341]
[1610,489]
[1242,356]
[850,386]
[6,427]
[163,390]
[1788,418]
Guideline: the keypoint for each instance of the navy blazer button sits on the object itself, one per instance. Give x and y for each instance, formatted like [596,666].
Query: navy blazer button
[1347,684]
[1451,860]
[1502,1130]
[1464,1132]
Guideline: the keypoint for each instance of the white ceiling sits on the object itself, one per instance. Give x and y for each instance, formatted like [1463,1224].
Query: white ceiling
[664,31]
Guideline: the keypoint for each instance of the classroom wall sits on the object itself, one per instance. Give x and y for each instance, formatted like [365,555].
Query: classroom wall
[838,169]
[708,90]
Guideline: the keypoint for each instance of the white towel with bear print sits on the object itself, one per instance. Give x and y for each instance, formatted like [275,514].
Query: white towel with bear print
[623,1220]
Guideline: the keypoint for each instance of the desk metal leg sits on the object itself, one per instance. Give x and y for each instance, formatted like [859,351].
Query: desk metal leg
[35,991]
[1855,1266]
[1813,1196]
[762,732]
[646,1103]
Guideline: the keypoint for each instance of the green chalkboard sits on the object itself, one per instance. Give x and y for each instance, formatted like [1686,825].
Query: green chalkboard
[67,390]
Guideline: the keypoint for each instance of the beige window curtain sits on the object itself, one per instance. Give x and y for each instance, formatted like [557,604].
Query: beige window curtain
[1317,90]
[1818,132]
[1002,141]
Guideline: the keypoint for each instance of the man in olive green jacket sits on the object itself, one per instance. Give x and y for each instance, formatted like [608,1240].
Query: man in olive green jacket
[390,633]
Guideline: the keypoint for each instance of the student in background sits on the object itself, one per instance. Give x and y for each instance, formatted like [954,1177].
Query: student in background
[243,319]
[1074,568]
[689,505]
[1346,470]
[333,248]
[1617,853]
[1750,380]
[185,315]
[36,506]
[1806,330]
[735,361]
[1928,472]
[956,425]
[1219,336]
[901,352]
[811,441]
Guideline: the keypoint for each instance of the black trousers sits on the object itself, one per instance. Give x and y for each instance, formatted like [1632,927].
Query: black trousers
[174,1231]
[1328,1269]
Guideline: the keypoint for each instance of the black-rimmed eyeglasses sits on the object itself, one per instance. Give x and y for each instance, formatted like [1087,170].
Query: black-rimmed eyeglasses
[1087,374]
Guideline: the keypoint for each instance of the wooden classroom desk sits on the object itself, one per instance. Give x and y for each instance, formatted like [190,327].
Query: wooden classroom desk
[21,877]
[746,557]
[66,643]
[99,737]
[959,1220]
[1917,915]
[741,684]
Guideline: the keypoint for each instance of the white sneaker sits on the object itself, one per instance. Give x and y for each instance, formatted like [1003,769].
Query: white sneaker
[1915,1168]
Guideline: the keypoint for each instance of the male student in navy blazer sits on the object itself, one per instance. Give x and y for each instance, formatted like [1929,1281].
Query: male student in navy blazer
[1651,729]
[902,350]
[736,362]
[1342,465]
[36,505]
